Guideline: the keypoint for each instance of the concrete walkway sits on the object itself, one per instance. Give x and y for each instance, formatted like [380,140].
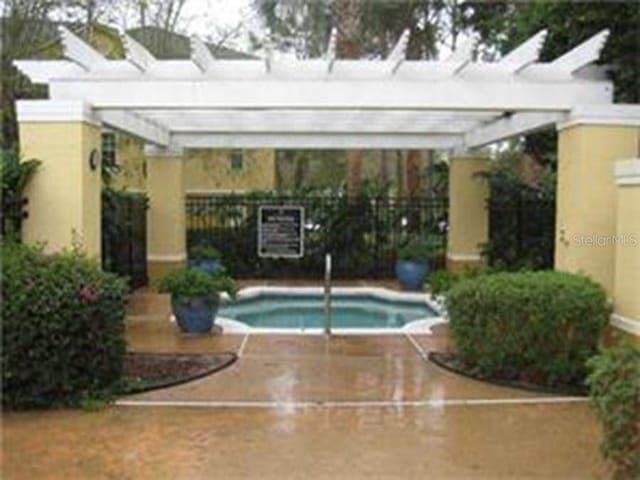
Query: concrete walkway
[307,407]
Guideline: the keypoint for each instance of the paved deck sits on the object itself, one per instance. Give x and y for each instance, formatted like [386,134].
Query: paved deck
[308,407]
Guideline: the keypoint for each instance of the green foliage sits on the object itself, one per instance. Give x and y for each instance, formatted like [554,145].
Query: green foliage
[430,248]
[203,252]
[15,173]
[614,389]
[441,281]
[62,327]
[189,283]
[533,326]
[503,25]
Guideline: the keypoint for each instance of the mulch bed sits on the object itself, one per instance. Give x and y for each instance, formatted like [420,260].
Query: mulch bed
[450,362]
[150,371]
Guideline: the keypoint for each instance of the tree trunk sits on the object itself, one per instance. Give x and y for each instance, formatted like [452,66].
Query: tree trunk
[348,14]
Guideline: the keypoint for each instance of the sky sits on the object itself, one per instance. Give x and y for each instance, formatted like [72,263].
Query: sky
[211,18]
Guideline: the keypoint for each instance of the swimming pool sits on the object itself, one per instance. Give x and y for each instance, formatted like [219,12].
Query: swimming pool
[352,309]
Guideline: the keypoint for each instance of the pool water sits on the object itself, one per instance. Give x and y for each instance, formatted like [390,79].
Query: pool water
[307,311]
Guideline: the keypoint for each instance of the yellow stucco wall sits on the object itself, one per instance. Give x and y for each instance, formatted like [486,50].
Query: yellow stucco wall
[586,198]
[166,236]
[627,252]
[468,216]
[210,171]
[64,195]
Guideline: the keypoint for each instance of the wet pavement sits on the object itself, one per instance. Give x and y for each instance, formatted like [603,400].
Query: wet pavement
[307,407]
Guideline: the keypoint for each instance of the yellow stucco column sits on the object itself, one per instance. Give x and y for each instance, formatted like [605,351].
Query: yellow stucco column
[586,195]
[64,195]
[166,230]
[468,215]
[626,284]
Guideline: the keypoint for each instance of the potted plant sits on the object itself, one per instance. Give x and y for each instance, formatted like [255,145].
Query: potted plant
[414,259]
[207,259]
[195,297]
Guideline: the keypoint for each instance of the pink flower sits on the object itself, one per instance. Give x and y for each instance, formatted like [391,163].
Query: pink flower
[88,294]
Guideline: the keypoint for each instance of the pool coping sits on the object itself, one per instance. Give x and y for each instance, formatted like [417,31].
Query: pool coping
[418,327]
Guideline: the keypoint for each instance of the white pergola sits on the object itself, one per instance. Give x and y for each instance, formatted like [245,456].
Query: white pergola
[206,102]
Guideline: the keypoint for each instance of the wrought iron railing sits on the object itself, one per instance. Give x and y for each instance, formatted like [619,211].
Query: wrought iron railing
[362,234]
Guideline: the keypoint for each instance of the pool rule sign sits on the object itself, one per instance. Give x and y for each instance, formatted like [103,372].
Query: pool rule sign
[280,232]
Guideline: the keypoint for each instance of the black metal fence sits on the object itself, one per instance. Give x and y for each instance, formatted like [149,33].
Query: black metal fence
[521,230]
[362,234]
[13,213]
[124,236]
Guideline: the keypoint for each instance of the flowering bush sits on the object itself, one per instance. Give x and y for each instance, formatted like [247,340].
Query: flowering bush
[62,327]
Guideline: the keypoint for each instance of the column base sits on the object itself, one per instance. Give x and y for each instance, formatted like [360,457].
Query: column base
[457,263]
[158,268]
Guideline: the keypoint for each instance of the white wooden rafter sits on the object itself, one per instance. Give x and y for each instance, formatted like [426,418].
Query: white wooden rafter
[525,54]
[79,51]
[136,54]
[582,55]
[460,57]
[399,52]
[330,55]
[393,103]
[201,55]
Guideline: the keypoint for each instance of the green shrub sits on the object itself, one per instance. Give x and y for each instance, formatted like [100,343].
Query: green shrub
[62,327]
[614,388]
[539,327]
[190,283]
[441,281]
[202,252]
[430,248]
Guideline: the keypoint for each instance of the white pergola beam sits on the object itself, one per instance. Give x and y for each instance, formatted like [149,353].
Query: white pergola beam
[131,122]
[79,51]
[316,121]
[526,54]
[452,94]
[136,54]
[330,55]
[511,125]
[399,52]
[317,140]
[582,55]
[201,55]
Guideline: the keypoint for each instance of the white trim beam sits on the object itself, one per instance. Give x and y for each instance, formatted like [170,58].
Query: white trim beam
[510,126]
[317,140]
[201,55]
[399,52]
[582,55]
[452,94]
[136,54]
[79,51]
[526,54]
[151,131]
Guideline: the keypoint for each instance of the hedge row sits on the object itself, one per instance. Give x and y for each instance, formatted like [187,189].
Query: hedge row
[62,327]
[535,326]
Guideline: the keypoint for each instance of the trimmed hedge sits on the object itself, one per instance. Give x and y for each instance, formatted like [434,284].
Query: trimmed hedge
[614,390]
[538,327]
[62,327]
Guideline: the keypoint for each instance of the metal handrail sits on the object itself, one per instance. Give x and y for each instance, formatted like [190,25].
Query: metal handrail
[327,295]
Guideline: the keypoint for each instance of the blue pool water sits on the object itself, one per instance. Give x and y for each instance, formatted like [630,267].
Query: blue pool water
[307,311]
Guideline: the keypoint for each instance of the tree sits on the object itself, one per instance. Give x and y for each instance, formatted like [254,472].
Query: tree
[25,25]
